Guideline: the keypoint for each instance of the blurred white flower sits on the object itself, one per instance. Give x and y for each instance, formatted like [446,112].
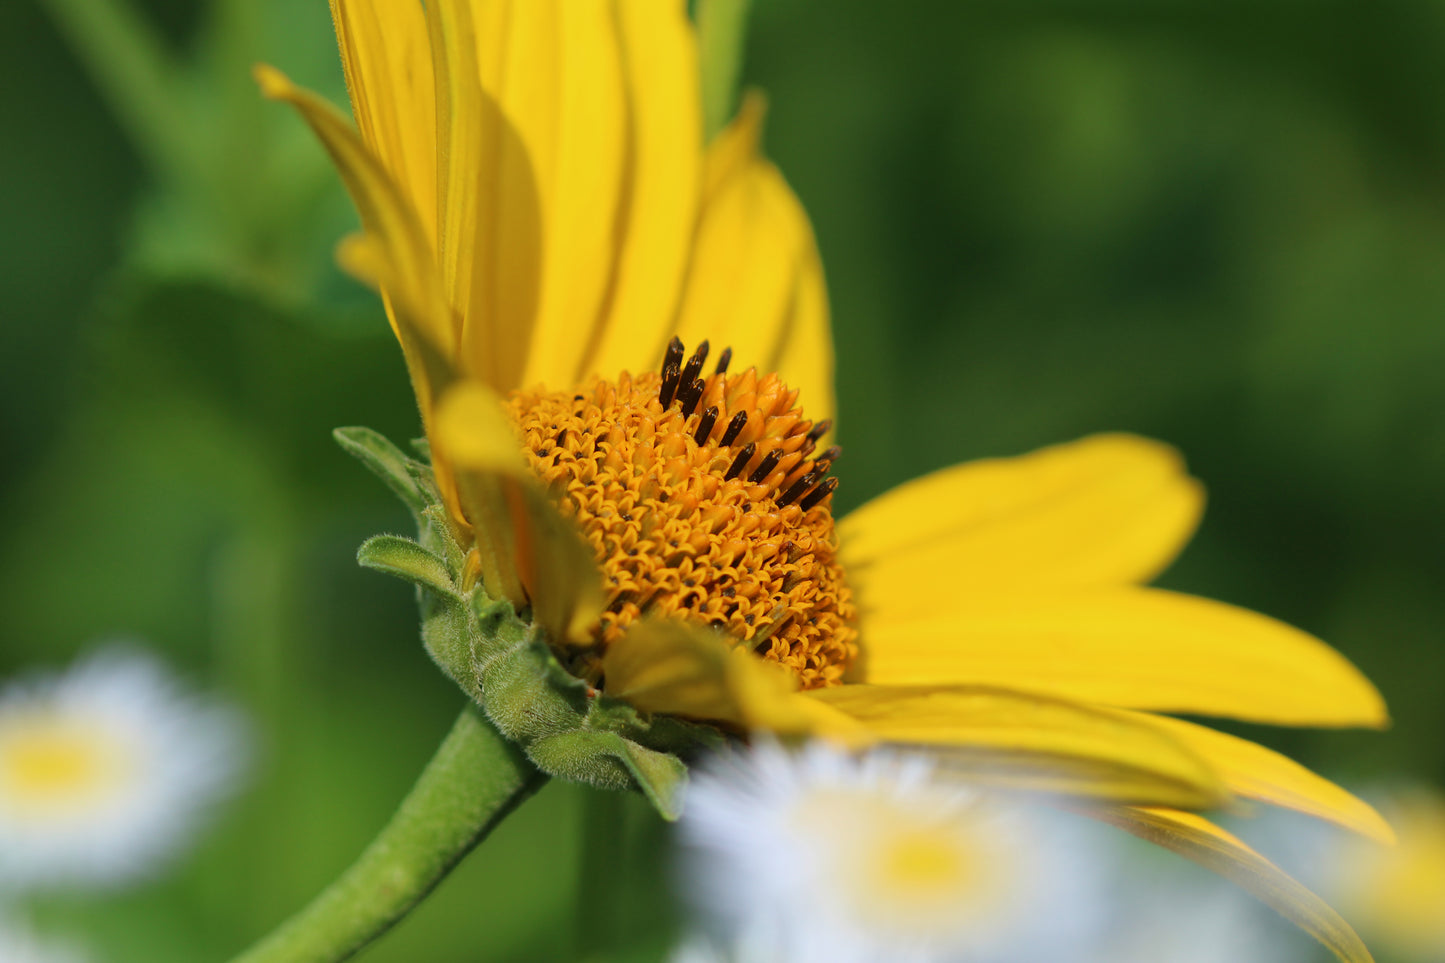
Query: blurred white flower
[818,855]
[1176,915]
[19,945]
[105,770]
[1394,895]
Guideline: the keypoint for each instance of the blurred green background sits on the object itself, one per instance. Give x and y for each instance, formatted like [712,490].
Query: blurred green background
[1217,223]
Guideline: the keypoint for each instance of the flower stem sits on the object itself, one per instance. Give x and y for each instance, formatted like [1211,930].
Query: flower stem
[473,782]
[133,70]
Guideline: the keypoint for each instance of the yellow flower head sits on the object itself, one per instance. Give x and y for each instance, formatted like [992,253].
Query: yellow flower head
[548,230]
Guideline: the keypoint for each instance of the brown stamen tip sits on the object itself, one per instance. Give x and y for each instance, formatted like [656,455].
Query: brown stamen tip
[724,360]
[673,354]
[695,363]
[818,494]
[691,393]
[797,488]
[830,455]
[745,455]
[705,425]
[735,428]
[671,378]
[766,466]
[820,429]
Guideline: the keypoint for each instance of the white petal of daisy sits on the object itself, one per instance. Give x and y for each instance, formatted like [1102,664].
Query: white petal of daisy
[1394,895]
[1173,915]
[105,770]
[819,855]
[19,945]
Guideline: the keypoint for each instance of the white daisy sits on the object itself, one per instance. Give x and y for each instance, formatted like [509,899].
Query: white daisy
[1179,917]
[105,770]
[822,856]
[1394,895]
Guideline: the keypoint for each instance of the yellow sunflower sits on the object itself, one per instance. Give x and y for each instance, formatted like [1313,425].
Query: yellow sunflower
[558,249]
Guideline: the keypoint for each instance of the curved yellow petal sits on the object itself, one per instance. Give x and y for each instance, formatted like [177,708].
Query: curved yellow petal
[1211,847]
[400,259]
[755,282]
[1136,648]
[526,550]
[581,185]
[661,188]
[472,436]
[1110,509]
[496,69]
[1033,742]
[1254,772]
[386,55]
[668,667]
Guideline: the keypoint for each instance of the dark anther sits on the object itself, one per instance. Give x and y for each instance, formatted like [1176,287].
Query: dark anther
[818,494]
[673,356]
[766,466]
[735,428]
[724,360]
[693,368]
[671,377]
[829,456]
[797,488]
[690,395]
[704,425]
[741,461]
[561,438]
[820,429]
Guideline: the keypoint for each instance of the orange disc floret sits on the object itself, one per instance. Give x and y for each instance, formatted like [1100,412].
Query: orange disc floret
[704,498]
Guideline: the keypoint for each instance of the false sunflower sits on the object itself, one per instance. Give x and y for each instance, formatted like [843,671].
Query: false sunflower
[628,543]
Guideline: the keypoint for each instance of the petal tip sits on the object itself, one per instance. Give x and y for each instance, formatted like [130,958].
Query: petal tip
[273,83]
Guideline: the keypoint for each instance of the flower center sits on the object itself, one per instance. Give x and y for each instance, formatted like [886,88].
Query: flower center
[47,763]
[703,498]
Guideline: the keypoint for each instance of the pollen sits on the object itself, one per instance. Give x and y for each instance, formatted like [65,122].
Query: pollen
[704,497]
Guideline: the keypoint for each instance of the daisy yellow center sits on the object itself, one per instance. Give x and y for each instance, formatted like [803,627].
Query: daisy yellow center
[46,763]
[704,498]
[913,861]
[897,864]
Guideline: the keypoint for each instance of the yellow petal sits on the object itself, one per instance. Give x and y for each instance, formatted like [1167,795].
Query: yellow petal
[1137,648]
[401,259]
[661,189]
[581,186]
[755,283]
[471,434]
[1109,509]
[557,568]
[1211,847]
[496,68]
[386,55]
[527,551]
[668,667]
[1254,772]
[1033,742]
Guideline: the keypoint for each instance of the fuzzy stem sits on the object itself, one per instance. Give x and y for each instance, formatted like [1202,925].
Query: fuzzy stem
[473,782]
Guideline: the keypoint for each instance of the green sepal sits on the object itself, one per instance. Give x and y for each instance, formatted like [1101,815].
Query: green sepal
[386,461]
[500,658]
[406,559]
[587,756]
